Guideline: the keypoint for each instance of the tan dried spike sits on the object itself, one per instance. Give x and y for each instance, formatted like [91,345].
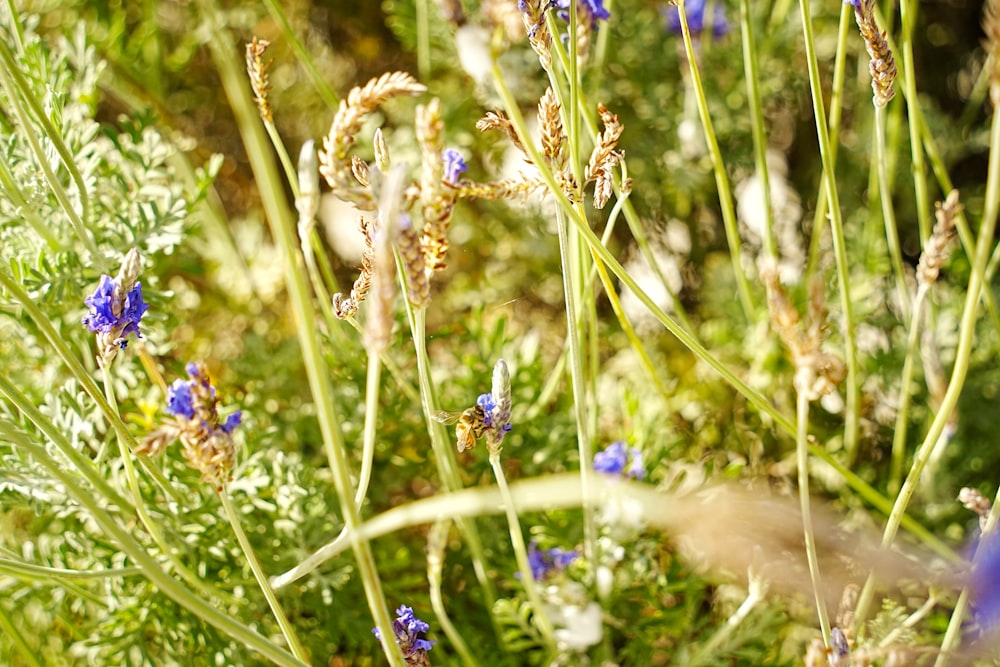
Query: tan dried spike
[882,65]
[257,69]
[495,120]
[381,152]
[550,122]
[436,199]
[514,188]
[937,251]
[344,307]
[605,157]
[359,169]
[335,164]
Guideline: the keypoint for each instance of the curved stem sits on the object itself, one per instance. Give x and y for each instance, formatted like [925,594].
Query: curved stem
[258,572]
[436,544]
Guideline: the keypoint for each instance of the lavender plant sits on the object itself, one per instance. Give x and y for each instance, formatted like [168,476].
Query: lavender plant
[731,430]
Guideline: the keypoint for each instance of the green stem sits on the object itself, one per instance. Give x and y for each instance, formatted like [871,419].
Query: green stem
[324,89]
[802,461]
[423,40]
[373,385]
[437,541]
[907,18]
[755,595]
[12,81]
[966,336]
[282,227]
[889,213]
[26,652]
[584,445]
[852,388]
[751,71]
[721,178]
[903,411]
[258,572]
[541,618]
[122,537]
[41,573]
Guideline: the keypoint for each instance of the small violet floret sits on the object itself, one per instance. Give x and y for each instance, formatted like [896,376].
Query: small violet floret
[595,9]
[102,318]
[407,627]
[695,11]
[548,561]
[232,421]
[985,584]
[179,399]
[454,166]
[615,457]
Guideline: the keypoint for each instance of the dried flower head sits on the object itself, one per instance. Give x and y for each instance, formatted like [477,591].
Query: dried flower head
[257,69]
[605,157]
[344,307]
[116,308]
[882,64]
[973,500]
[407,629]
[207,441]
[335,160]
[417,283]
[496,407]
[438,177]
[937,250]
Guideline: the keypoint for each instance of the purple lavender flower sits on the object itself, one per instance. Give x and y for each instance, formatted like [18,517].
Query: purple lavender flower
[232,421]
[854,3]
[179,400]
[106,299]
[985,585]
[595,9]
[547,561]
[454,166]
[695,11]
[615,457]
[407,627]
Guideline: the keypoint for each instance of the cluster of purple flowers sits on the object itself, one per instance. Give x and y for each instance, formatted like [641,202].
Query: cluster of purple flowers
[115,313]
[187,398]
[545,562]
[614,459]
[407,629]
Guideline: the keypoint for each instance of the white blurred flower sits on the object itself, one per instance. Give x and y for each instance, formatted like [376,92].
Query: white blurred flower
[579,627]
[786,209]
[473,45]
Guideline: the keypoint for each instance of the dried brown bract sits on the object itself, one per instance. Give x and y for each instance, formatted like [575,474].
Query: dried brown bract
[437,198]
[518,189]
[605,157]
[335,162]
[816,372]
[882,65]
[344,307]
[414,262]
[937,250]
[495,120]
[973,500]
[550,122]
[257,68]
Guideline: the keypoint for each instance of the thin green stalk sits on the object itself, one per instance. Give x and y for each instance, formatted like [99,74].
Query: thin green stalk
[286,161]
[11,80]
[17,638]
[688,340]
[903,410]
[802,463]
[721,177]
[584,445]
[151,526]
[258,572]
[889,214]
[41,573]
[852,388]
[17,30]
[436,544]
[444,455]
[283,229]
[322,87]
[907,19]
[123,538]
[27,212]
[966,336]
[751,71]
[51,132]
[423,40]
[373,385]
[540,617]
[755,594]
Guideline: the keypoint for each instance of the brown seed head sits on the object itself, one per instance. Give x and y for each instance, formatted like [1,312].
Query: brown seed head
[257,68]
